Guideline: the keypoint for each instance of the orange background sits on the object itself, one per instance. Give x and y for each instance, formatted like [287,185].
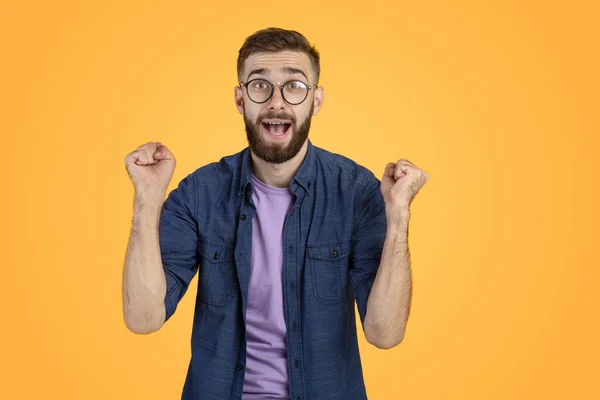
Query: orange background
[497,101]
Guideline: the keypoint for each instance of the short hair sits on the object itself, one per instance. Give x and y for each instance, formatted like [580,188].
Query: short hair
[273,40]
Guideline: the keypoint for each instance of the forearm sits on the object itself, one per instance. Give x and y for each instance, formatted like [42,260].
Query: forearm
[144,283]
[389,302]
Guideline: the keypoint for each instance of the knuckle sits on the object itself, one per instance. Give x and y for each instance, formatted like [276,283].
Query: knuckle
[146,146]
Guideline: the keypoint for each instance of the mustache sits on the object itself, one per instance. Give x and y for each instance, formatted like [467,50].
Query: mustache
[274,115]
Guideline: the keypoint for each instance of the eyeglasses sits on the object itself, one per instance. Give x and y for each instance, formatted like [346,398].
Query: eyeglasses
[261,90]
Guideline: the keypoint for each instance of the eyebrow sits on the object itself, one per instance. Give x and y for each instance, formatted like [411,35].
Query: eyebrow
[289,70]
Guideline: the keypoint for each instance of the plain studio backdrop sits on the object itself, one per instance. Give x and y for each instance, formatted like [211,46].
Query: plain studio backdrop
[497,101]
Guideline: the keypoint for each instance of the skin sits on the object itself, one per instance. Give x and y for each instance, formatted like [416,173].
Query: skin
[151,168]
[389,302]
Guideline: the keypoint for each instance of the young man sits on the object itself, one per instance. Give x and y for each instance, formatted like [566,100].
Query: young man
[286,236]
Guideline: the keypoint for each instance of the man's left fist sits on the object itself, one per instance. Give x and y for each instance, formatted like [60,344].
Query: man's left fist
[401,182]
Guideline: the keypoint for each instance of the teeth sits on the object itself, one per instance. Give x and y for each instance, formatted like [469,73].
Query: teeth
[276,123]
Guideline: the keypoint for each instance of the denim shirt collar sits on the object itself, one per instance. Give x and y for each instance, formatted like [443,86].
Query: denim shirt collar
[305,176]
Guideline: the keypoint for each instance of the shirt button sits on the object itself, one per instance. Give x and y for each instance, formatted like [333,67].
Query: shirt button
[290,249]
[294,325]
[296,363]
[292,287]
[216,256]
[334,253]
[243,217]
[239,367]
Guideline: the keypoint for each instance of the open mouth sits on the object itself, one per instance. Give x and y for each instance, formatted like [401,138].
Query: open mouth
[277,128]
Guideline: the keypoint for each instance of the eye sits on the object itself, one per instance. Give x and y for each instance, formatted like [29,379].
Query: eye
[297,87]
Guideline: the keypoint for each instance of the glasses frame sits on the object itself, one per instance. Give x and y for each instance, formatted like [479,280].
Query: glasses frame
[280,85]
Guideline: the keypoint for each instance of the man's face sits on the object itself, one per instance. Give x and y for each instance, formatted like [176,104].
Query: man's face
[277,130]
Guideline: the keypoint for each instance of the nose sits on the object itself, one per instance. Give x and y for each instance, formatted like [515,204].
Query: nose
[276,102]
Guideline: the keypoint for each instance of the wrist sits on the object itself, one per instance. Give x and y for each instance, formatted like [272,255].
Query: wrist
[149,198]
[147,208]
[397,215]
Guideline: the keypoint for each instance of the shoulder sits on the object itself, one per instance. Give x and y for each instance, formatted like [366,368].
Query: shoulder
[210,179]
[336,165]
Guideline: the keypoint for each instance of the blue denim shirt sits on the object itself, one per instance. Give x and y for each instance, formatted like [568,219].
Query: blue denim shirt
[333,238]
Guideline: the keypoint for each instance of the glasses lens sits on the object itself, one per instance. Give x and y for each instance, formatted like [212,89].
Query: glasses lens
[295,92]
[259,90]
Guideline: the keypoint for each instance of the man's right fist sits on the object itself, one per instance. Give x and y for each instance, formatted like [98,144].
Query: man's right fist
[150,168]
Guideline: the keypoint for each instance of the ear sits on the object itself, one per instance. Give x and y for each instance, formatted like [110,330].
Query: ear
[318,99]
[239,99]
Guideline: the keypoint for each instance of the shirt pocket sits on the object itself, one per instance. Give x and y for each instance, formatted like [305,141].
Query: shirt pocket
[329,264]
[217,273]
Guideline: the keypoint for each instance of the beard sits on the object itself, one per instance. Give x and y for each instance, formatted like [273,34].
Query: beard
[276,153]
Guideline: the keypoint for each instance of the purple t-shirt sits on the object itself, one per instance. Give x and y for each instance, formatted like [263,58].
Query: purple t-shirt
[266,375]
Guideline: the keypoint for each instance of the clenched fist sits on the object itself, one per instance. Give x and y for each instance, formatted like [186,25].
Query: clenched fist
[400,183]
[150,168]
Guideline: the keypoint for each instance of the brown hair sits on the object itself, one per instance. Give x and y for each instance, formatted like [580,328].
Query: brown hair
[272,40]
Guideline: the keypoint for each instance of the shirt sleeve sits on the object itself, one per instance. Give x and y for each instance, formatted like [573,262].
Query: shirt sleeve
[367,240]
[178,238]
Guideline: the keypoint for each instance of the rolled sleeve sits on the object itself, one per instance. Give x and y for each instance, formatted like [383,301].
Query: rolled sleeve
[178,237]
[367,240]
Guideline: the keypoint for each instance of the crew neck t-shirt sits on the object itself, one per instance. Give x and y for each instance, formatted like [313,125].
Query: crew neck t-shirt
[266,375]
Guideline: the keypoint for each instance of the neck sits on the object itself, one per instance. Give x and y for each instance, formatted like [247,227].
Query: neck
[278,175]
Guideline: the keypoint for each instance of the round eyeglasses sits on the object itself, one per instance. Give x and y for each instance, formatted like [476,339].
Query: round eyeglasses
[261,90]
